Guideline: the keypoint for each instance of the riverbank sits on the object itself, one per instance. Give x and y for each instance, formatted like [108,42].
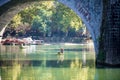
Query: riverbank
[90,42]
[66,40]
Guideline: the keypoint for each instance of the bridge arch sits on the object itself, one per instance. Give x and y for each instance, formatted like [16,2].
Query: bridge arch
[91,14]
[89,11]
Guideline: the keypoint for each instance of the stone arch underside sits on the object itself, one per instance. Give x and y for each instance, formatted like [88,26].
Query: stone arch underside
[90,11]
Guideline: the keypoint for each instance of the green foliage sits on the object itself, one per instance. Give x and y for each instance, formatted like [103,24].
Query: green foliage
[16,21]
[49,17]
[36,23]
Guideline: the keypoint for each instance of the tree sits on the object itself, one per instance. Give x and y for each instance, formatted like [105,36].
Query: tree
[16,21]
[49,18]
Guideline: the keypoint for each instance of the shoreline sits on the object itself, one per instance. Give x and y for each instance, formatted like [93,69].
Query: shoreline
[69,43]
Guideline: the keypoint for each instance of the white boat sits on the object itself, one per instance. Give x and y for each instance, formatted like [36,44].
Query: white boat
[27,40]
[37,42]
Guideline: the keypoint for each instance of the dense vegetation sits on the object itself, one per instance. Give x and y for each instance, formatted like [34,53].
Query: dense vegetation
[45,19]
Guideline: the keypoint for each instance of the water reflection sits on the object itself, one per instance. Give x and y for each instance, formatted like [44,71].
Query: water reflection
[17,72]
[10,72]
[60,58]
[84,58]
[43,63]
[28,50]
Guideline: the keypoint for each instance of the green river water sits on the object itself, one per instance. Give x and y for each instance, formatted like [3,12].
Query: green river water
[42,62]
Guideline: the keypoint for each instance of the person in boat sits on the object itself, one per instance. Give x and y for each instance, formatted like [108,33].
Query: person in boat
[61,51]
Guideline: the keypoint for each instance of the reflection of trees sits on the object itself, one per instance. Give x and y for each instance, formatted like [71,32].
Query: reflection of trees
[81,73]
[10,72]
[39,70]
[9,52]
[13,52]
[36,73]
[76,72]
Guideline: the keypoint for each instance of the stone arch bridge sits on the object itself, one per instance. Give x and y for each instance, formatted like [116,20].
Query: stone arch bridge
[101,17]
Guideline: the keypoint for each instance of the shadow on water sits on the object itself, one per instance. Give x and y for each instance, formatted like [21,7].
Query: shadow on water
[104,65]
[48,63]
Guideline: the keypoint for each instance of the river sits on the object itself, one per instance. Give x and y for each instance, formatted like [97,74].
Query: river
[42,62]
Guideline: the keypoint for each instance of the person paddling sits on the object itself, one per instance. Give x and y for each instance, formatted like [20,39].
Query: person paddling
[62,50]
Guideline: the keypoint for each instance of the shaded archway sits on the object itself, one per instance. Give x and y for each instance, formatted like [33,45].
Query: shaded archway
[89,11]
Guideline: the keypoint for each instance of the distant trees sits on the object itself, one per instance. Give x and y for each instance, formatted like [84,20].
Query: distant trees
[48,18]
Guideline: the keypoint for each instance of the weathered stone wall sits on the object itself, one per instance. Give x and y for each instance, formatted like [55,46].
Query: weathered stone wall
[90,11]
[109,50]
[112,31]
[10,9]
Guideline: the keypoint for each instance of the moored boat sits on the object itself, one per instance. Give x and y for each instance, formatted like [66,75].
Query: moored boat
[37,42]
